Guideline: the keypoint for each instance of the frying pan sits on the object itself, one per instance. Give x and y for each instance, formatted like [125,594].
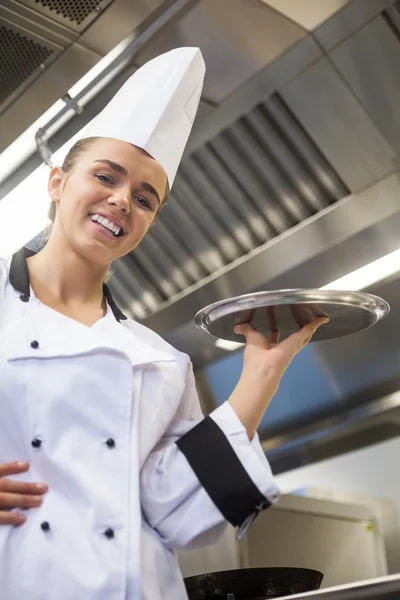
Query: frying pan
[252,584]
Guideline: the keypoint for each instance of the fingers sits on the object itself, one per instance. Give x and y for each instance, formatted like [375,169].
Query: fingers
[244,329]
[306,313]
[9,501]
[17,494]
[273,325]
[20,487]
[253,337]
[10,518]
[308,330]
[13,468]
[298,340]
[293,343]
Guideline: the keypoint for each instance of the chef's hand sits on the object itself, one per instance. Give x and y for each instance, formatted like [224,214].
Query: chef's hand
[264,363]
[17,494]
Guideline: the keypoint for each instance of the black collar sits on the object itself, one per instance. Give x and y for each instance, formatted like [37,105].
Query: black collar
[19,279]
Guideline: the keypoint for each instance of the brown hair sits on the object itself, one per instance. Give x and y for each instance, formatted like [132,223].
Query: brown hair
[69,162]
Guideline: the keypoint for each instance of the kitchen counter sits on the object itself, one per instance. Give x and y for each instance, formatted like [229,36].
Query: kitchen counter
[383,588]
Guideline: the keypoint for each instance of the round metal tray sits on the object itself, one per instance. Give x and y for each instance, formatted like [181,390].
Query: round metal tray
[287,311]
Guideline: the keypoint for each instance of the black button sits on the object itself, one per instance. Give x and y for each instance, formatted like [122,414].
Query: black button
[24,297]
[36,443]
[110,443]
[109,533]
[45,526]
[35,345]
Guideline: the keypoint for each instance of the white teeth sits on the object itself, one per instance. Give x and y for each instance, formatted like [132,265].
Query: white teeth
[105,223]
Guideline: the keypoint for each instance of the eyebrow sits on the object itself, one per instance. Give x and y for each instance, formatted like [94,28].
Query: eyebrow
[122,171]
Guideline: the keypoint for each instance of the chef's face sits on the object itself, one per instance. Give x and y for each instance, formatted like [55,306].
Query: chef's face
[110,180]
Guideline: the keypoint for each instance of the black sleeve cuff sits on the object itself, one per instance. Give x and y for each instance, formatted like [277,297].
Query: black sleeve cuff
[221,473]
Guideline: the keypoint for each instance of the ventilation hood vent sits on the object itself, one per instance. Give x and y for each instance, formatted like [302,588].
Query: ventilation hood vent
[252,182]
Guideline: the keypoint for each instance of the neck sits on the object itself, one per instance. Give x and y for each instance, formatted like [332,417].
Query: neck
[67,276]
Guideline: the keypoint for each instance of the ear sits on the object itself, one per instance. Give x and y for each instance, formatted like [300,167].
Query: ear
[55,184]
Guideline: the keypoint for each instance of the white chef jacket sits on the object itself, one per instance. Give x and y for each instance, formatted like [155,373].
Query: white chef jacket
[109,418]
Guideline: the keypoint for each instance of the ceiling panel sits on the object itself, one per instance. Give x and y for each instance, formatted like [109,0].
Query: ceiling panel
[237,39]
[307,13]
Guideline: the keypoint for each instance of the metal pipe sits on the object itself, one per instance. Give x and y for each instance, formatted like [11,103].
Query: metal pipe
[174,11]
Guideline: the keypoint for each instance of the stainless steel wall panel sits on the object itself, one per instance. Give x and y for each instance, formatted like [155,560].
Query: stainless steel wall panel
[339,125]
[352,17]
[369,61]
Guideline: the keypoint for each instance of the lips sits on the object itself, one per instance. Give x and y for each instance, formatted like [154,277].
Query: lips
[108,224]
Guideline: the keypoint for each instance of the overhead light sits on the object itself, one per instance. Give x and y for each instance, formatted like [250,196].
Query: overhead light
[369,274]
[227,345]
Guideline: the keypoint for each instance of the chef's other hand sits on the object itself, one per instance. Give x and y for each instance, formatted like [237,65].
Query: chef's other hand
[264,364]
[17,494]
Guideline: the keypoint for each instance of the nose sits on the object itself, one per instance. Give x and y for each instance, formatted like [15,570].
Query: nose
[121,201]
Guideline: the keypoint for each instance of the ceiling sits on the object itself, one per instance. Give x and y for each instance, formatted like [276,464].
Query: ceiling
[290,178]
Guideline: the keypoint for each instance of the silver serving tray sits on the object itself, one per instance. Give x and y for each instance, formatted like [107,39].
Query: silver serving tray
[284,312]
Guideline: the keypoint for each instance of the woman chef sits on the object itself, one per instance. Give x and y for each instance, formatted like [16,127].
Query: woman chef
[121,468]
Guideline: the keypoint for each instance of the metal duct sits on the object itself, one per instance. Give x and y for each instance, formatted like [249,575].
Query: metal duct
[252,182]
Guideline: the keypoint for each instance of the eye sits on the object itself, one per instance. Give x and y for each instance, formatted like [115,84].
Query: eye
[144,202]
[104,178]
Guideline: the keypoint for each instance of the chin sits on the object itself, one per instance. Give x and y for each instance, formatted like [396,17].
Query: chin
[99,254]
[95,253]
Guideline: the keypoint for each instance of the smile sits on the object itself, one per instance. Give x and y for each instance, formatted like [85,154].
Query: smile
[106,225]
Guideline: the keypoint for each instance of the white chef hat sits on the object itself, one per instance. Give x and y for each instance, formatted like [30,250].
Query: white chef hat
[156,107]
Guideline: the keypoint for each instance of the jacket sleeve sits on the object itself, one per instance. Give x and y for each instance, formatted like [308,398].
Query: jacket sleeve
[204,473]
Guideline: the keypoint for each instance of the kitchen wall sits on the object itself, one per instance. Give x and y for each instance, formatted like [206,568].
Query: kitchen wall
[372,472]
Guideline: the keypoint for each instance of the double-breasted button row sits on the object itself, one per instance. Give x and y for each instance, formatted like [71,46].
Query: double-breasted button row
[109,532]
[36,443]
[45,525]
